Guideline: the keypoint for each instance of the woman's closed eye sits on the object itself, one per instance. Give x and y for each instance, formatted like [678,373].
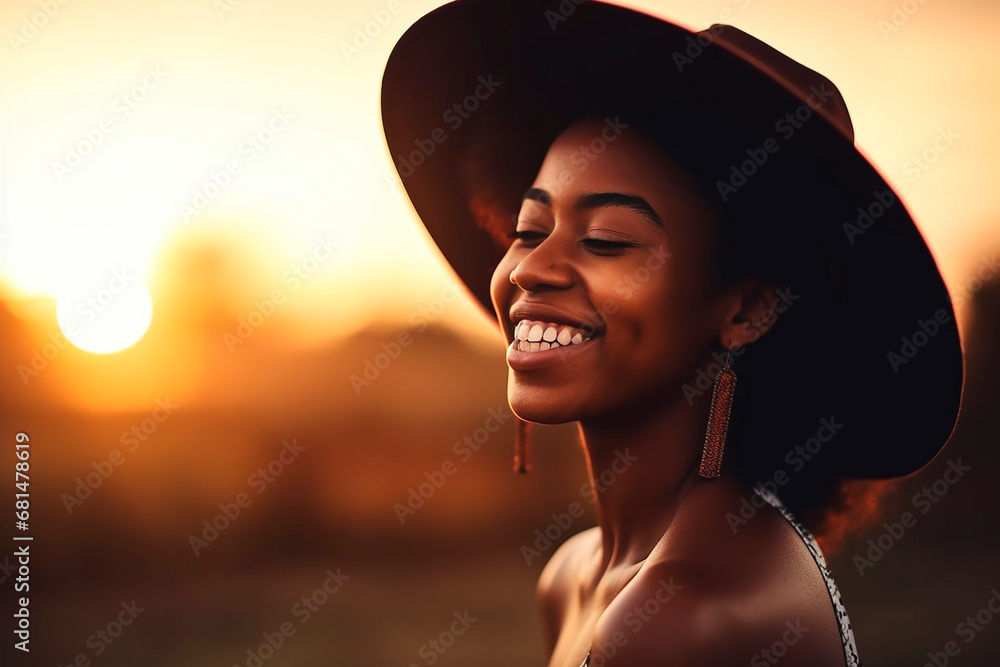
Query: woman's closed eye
[606,246]
[531,237]
[526,236]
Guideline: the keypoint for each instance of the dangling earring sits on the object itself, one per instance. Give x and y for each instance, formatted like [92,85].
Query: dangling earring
[522,430]
[718,421]
[522,445]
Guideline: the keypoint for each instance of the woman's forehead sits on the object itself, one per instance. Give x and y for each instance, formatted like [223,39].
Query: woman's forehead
[608,145]
[607,154]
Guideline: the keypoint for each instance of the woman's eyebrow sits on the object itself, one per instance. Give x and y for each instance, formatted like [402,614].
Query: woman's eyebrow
[539,195]
[599,199]
[632,202]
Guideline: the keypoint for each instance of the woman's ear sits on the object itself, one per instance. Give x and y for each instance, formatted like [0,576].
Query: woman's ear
[754,308]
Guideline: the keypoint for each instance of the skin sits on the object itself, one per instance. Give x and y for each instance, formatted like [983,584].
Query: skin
[723,597]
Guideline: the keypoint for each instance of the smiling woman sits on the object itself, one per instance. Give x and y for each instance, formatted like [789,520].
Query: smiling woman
[632,271]
[622,379]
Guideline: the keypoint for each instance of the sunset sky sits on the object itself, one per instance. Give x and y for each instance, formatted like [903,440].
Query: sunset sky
[198,195]
[138,138]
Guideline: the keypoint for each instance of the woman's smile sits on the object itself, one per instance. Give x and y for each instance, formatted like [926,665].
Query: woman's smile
[534,336]
[533,352]
[543,334]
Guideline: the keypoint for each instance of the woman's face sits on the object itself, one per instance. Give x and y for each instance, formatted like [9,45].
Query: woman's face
[606,295]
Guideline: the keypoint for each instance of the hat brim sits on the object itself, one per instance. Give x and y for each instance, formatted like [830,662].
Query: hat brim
[474,93]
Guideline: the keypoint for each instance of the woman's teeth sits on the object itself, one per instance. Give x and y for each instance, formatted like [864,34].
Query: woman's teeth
[531,336]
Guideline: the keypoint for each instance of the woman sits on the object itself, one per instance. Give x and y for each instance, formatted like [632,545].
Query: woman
[649,212]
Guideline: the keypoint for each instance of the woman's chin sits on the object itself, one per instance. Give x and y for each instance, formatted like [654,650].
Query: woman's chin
[539,407]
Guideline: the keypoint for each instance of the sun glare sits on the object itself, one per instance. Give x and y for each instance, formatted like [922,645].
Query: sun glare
[106,318]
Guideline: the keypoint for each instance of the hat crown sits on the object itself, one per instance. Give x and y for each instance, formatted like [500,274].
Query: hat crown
[810,86]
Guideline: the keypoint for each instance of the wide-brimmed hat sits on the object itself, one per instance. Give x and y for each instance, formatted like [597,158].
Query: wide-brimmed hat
[474,93]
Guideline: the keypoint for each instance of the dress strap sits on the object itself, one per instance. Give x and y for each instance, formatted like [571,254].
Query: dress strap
[843,622]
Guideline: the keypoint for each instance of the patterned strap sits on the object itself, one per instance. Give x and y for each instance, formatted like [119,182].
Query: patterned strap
[843,623]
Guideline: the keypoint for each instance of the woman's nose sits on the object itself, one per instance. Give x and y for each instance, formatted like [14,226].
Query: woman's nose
[547,265]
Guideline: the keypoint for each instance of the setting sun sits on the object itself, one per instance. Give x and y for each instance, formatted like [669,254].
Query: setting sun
[106,318]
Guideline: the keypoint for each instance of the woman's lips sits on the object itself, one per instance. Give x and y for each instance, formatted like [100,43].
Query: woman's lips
[537,336]
[539,344]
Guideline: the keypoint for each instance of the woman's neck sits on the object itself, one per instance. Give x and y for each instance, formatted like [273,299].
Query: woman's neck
[642,465]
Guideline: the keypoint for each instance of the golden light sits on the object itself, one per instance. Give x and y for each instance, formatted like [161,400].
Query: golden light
[106,317]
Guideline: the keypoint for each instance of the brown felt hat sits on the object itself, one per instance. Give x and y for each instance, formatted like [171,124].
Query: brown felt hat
[475,91]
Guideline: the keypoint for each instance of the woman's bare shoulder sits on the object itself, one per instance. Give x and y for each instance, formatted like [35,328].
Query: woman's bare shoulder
[742,599]
[670,622]
[560,568]
[560,574]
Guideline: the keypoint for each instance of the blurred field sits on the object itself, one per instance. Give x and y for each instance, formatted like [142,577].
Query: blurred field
[334,507]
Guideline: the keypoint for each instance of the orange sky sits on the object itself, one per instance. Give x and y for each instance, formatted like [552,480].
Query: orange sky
[170,94]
